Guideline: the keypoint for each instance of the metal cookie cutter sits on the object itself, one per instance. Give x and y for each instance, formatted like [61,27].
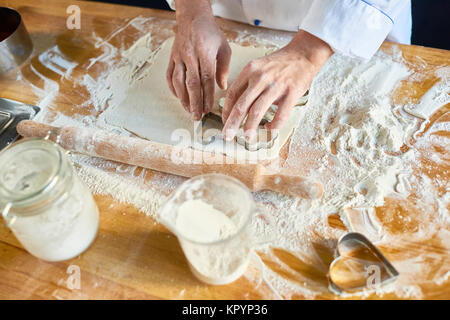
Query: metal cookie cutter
[265,138]
[11,113]
[15,43]
[359,265]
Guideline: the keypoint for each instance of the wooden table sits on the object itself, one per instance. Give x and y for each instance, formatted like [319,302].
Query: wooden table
[134,256]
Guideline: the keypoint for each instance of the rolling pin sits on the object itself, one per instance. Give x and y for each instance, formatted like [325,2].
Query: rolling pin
[170,159]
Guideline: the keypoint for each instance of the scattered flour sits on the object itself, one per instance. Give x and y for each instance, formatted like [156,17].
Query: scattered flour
[434,98]
[350,123]
[351,137]
[123,188]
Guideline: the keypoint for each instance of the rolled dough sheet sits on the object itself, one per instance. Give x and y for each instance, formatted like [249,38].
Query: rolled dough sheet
[151,111]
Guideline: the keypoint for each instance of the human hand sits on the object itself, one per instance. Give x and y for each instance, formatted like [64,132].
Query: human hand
[200,55]
[280,78]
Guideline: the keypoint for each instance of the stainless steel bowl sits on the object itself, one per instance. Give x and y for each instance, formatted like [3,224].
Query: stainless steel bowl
[15,42]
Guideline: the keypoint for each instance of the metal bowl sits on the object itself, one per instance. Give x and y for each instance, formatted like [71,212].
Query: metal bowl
[15,42]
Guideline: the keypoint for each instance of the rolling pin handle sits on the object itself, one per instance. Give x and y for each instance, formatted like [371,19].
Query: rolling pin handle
[49,135]
[152,155]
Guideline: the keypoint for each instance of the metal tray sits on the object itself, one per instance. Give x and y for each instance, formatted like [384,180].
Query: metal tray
[11,113]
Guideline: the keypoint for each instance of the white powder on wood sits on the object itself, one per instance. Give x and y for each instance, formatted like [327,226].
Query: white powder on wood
[436,97]
[351,138]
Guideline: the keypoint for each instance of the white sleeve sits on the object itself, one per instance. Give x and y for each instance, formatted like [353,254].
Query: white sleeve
[171,4]
[353,27]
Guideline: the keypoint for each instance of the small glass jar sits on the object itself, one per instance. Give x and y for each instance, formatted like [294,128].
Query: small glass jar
[45,204]
[217,261]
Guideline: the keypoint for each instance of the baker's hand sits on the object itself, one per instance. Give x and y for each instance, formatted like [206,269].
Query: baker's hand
[200,55]
[280,78]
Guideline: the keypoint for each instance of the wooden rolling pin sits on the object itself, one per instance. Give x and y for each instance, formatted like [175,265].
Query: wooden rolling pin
[170,159]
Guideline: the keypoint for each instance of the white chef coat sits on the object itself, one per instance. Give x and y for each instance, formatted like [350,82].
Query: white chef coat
[351,27]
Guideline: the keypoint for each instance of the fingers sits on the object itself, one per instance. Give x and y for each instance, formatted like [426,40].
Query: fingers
[254,105]
[258,110]
[179,84]
[207,81]
[234,92]
[239,112]
[194,89]
[192,72]
[284,109]
[169,75]
[223,65]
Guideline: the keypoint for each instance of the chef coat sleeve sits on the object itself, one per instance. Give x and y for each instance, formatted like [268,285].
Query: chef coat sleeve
[353,27]
[171,3]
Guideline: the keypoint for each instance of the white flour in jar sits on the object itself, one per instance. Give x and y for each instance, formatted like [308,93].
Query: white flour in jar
[341,86]
[201,222]
[49,209]
[211,260]
[63,230]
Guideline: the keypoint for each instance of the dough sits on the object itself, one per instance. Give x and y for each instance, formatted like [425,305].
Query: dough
[151,111]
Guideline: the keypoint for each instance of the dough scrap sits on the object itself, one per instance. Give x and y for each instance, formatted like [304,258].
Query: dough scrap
[150,110]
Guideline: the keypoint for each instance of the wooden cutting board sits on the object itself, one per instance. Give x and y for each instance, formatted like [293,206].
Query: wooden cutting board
[133,256]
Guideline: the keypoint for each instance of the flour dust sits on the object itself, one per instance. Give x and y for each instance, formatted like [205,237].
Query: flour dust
[365,149]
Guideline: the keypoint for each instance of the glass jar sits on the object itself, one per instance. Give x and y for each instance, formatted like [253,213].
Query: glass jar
[215,255]
[45,204]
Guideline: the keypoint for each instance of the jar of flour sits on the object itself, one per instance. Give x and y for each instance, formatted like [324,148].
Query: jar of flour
[45,204]
[211,214]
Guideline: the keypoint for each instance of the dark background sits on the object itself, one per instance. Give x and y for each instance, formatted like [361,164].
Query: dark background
[431,19]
